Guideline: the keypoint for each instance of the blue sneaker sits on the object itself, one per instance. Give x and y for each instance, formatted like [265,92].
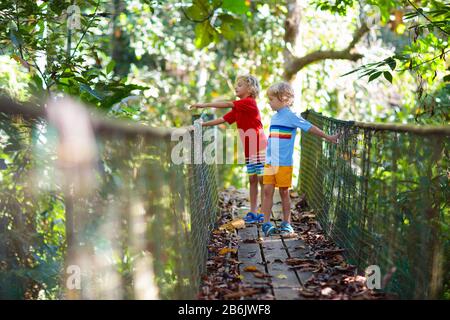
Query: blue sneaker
[252,218]
[286,228]
[269,229]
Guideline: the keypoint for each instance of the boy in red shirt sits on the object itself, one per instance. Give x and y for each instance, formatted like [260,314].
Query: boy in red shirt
[245,113]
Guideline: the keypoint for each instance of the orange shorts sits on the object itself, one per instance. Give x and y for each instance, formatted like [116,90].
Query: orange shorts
[281,177]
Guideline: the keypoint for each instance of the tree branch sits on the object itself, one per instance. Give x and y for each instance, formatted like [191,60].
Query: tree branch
[295,64]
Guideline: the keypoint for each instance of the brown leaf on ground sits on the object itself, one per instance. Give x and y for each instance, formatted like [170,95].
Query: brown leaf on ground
[241,293]
[309,214]
[309,293]
[297,261]
[301,203]
[289,235]
[293,194]
[278,261]
[262,275]
[234,261]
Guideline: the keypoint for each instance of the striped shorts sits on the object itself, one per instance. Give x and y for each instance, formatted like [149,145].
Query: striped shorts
[255,168]
[255,164]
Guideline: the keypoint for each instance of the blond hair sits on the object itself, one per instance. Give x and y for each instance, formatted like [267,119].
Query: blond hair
[252,83]
[283,91]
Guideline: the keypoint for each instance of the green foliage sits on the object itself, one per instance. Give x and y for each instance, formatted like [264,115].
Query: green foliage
[206,12]
[336,6]
[32,224]
[27,30]
[426,55]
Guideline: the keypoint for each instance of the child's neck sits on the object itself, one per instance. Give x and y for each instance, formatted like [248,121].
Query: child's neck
[244,96]
[279,108]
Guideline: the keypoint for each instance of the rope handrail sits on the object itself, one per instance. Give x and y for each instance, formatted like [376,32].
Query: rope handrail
[100,123]
[398,127]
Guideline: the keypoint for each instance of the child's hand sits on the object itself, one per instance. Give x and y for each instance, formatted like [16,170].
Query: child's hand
[196,105]
[334,138]
[192,127]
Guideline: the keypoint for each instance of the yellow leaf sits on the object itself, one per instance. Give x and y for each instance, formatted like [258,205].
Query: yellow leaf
[235,224]
[282,276]
[251,269]
[224,251]
[238,223]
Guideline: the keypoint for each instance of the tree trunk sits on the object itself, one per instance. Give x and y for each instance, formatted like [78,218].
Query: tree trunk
[120,42]
[292,63]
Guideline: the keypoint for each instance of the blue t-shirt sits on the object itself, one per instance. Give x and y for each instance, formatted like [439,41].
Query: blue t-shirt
[283,128]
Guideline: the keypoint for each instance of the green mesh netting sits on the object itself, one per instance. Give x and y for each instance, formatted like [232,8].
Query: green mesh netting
[139,231]
[382,194]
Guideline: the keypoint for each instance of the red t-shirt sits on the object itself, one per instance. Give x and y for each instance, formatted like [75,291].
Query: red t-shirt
[245,113]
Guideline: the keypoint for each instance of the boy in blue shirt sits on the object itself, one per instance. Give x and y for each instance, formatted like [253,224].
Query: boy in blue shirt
[280,149]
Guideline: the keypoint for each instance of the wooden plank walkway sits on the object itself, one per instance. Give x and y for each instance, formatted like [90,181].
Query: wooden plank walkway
[269,256]
[308,266]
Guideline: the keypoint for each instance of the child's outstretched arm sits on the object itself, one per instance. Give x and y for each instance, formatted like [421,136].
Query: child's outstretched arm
[225,104]
[316,131]
[213,122]
[209,123]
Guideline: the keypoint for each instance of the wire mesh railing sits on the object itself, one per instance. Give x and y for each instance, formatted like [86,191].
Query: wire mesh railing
[382,194]
[101,213]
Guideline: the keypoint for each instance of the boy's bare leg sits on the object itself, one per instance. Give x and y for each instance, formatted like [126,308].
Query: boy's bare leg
[268,201]
[261,188]
[253,192]
[286,204]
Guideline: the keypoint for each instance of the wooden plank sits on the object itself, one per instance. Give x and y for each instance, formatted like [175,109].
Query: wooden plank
[250,255]
[284,280]
[296,248]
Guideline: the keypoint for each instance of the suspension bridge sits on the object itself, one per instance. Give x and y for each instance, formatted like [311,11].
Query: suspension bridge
[112,217]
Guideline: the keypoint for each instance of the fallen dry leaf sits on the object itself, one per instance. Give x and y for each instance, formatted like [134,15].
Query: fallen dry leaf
[224,251]
[278,261]
[309,293]
[241,293]
[232,225]
[289,235]
[293,194]
[251,269]
[261,275]
[297,261]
